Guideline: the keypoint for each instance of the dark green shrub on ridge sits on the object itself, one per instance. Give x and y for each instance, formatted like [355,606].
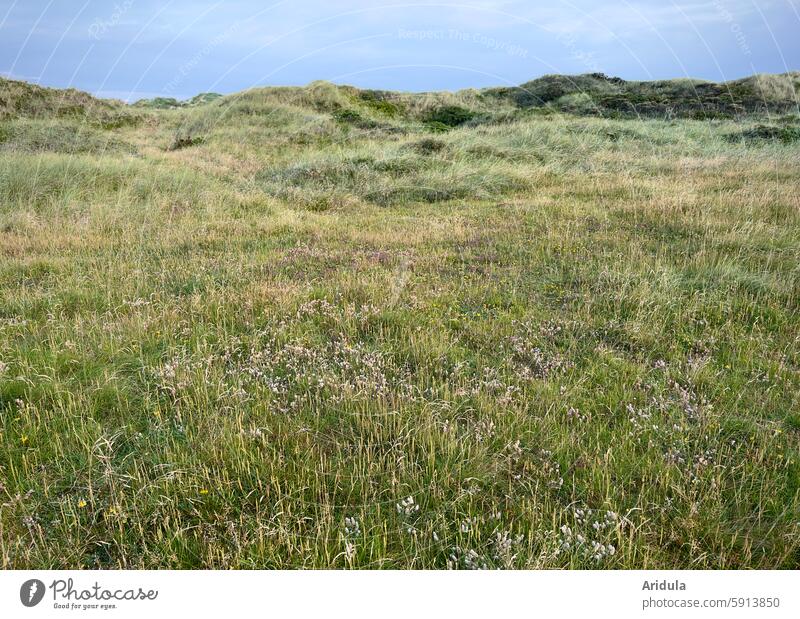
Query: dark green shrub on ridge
[450,115]
[378,101]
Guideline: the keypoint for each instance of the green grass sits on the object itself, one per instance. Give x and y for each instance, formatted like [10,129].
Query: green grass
[294,328]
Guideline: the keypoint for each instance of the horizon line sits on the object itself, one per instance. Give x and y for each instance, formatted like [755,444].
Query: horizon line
[134,96]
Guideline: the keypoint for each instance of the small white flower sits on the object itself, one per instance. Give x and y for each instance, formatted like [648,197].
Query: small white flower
[407,506]
[352,527]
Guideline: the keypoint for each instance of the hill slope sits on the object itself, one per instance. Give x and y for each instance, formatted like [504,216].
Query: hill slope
[601,95]
[330,327]
[591,94]
[21,99]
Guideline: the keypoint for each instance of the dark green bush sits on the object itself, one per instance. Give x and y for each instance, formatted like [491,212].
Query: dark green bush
[437,127]
[428,146]
[708,114]
[118,121]
[185,141]
[354,118]
[377,101]
[785,134]
[450,115]
[160,103]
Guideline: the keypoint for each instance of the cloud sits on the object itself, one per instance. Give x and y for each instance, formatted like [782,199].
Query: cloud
[627,19]
[294,41]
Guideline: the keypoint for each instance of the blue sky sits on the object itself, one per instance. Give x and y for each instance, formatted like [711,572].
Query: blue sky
[141,48]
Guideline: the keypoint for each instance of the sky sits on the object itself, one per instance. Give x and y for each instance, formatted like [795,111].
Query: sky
[132,49]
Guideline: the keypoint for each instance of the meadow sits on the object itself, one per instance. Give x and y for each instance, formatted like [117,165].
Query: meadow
[322,327]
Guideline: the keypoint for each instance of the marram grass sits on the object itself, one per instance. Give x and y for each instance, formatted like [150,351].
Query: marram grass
[303,341]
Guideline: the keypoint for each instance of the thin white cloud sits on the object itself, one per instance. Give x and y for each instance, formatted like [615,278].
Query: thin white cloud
[626,19]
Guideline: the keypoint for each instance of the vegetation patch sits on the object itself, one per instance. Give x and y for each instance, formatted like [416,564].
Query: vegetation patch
[759,133]
[379,101]
[180,142]
[437,127]
[171,103]
[449,115]
[354,118]
[429,146]
[46,136]
[549,339]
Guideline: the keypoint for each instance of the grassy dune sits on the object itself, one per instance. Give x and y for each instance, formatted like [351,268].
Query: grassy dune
[321,327]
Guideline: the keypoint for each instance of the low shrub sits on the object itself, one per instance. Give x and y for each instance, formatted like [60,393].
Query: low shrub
[785,134]
[576,103]
[450,115]
[185,141]
[375,100]
[354,118]
[437,127]
[428,146]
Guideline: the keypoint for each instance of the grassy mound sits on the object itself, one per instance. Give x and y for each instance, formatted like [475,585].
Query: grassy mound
[20,99]
[610,96]
[171,103]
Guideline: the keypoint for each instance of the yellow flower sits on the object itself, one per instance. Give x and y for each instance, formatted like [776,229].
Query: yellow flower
[203,491]
[81,504]
[24,440]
